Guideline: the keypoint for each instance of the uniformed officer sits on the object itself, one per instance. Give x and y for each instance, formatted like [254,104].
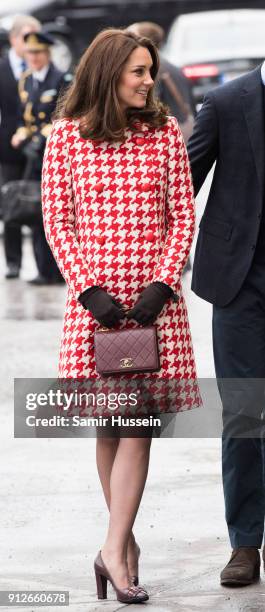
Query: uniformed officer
[39,88]
[13,161]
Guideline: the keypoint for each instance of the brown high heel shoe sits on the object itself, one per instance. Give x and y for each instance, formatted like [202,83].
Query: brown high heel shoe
[134,594]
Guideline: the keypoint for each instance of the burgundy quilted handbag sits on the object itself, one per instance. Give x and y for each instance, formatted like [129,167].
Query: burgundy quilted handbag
[126,350]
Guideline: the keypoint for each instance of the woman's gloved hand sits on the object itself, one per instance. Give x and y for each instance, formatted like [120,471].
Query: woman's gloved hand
[106,310]
[150,303]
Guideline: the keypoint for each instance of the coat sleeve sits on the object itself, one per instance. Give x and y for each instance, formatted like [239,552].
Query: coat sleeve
[59,212]
[203,144]
[179,212]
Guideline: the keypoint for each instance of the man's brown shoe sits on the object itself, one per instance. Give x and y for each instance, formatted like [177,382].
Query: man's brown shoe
[243,567]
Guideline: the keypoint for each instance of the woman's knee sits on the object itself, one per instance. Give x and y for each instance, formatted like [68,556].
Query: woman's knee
[105,443]
[137,446]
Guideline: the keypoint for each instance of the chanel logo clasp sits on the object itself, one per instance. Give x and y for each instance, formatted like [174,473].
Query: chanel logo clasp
[126,362]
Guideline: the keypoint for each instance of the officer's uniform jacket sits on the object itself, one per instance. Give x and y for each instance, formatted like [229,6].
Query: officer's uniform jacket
[38,103]
[120,215]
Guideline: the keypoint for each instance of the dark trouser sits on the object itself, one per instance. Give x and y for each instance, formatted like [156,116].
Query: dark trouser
[239,353]
[12,231]
[46,264]
[45,261]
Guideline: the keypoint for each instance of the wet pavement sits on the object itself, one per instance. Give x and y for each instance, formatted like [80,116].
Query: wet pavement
[53,516]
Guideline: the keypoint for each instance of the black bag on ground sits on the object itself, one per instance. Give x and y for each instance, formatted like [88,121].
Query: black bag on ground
[21,200]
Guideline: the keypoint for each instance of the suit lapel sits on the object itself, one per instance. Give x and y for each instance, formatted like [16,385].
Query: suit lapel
[253,105]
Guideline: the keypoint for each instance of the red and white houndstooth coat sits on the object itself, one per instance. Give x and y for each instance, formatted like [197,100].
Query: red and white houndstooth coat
[120,215]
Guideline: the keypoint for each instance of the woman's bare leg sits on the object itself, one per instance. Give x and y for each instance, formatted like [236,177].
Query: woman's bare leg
[128,477]
[105,455]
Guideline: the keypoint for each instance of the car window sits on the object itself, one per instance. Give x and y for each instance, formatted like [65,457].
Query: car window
[215,36]
[229,35]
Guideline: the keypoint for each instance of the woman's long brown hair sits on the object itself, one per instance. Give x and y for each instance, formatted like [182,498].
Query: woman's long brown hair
[92,97]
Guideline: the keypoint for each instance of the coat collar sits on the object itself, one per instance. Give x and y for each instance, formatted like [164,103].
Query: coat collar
[253,106]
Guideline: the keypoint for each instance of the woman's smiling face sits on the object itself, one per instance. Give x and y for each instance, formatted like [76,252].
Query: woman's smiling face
[135,80]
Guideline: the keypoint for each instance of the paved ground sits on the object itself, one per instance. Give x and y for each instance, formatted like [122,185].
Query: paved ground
[53,516]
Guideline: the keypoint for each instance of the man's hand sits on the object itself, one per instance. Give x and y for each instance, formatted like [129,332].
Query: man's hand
[16,141]
[21,135]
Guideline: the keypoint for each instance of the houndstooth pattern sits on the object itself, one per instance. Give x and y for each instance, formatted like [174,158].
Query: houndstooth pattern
[120,215]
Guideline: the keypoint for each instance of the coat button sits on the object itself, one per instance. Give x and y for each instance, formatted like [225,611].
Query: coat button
[140,141]
[99,187]
[149,235]
[100,240]
[145,188]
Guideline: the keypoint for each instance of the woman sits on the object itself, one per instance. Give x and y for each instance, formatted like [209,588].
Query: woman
[119,216]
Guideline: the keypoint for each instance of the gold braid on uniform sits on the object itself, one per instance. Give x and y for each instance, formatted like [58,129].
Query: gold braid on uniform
[24,131]
[46,130]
